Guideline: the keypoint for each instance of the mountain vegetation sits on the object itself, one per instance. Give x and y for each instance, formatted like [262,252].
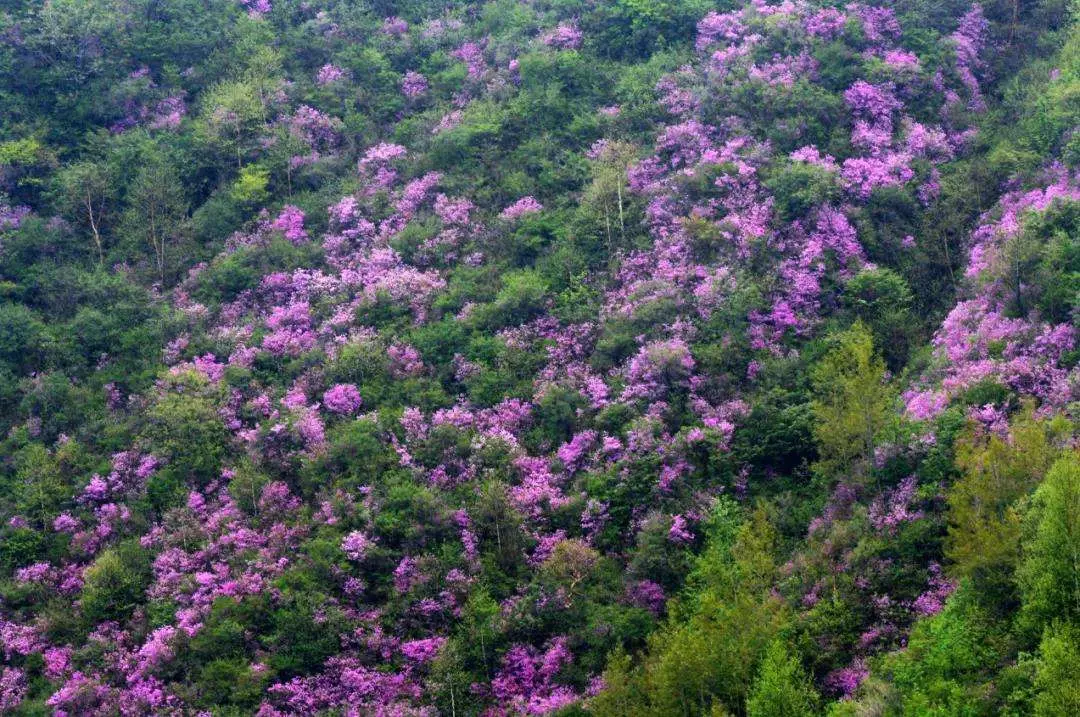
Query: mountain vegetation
[558,357]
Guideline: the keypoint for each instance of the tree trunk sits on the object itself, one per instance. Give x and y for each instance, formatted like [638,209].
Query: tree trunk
[94,228]
[622,220]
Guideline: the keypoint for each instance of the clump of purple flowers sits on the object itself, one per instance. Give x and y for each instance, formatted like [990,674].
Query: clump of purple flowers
[413,84]
[290,222]
[523,206]
[329,74]
[344,398]
[565,36]
[356,545]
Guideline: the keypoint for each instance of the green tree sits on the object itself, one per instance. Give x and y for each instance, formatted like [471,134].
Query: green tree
[623,692]
[1057,680]
[570,566]
[1039,267]
[85,194]
[116,582]
[188,433]
[39,487]
[983,541]
[22,336]
[250,187]
[801,186]
[233,115]
[943,670]
[705,657]
[781,688]
[636,28]
[74,37]
[851,402]
[26,163]
[156,214]
[608,191]
[521,299]
[881,298]
[1049,576]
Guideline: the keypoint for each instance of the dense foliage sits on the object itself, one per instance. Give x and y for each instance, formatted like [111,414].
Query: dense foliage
[631,357]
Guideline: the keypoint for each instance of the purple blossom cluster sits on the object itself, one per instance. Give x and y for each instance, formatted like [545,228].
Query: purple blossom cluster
[343,398]
[565,36]
[319,131]
[523,206]
[12,217]
[290,222]
[257,8]
[330,74]
[356,545]
[414,85]
[525,683]
[395,26]
[376,166]
[472,54]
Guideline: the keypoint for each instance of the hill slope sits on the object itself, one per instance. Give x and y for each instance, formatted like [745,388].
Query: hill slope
[501,358]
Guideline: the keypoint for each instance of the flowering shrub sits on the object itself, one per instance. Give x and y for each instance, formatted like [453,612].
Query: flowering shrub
[565,36]
[342,398]
[356,545]
[291,223]
[414,84]
[329,74]
[523,206]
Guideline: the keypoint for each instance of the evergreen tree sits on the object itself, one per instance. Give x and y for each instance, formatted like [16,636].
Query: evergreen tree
[781,688]
[1049,576]
[851,402]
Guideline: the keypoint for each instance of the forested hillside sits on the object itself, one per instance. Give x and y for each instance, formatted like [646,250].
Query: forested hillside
[565,357]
